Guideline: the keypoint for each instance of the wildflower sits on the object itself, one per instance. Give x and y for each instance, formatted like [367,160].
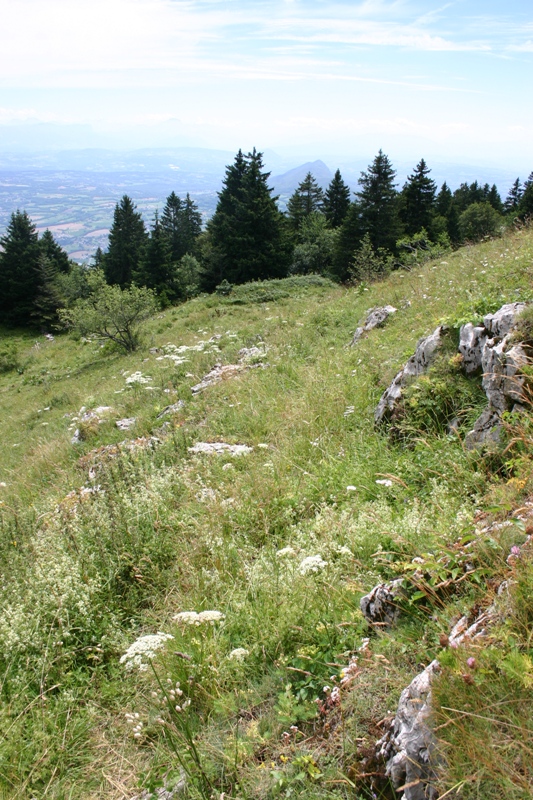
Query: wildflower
[285,551]
[195,618]
[137,378]
[471,662]
[143,650]
[239,654]
[384,482]
[349,410]
[351,488]
[312,564]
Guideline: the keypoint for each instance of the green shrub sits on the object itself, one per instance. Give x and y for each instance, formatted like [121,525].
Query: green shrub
[9,359]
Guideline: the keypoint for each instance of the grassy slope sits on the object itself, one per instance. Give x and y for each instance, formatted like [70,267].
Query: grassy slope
[84,575]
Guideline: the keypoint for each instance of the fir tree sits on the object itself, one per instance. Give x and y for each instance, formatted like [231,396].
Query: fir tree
[493,197]
[525,207]
[48,297]
[245,235]
[446,208]
[512,201]
[155,269]
[54,252]
[418,196]
[171,225]
[351,234]
[191,225]
[378,202]
[307,199]
[127,238]
[19,270]
[336,201]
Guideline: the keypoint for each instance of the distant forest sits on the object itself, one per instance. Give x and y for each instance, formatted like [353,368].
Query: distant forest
[249,239]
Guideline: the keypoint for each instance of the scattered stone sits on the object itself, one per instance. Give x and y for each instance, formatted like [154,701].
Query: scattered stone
[376,317]
[249,357]
[409,745]
[381,606]
[126,423]
[172,409]
[217,374]
[419,363]
[220,448]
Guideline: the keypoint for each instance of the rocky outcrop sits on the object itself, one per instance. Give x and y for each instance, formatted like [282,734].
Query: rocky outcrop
[376,317]
[487,350]
[219,449]
[381,605]
[490,350]
[249,357]
[419,363]
[410,747]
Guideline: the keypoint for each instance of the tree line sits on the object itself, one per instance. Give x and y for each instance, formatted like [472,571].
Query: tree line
[248,238]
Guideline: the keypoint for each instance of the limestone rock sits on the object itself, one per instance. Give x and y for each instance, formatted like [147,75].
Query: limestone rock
[380,606]
[471,342]
[502,321]
[409,745]
[419,362]
[375,318]
[126,423]
[172,409]
[220,448]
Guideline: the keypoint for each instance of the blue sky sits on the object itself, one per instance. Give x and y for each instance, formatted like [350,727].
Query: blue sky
[447,80]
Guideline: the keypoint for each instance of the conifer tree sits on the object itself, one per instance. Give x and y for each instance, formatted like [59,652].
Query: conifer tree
[307,199]
[512,201]
[171,225]
[19,270]
[54,252]
[351,234]
[418,196]
[127,238]
[525,207]
[378,203]
[494,199]
[156,269]
[446,208]
[191,225]
[245,235]
[336,201]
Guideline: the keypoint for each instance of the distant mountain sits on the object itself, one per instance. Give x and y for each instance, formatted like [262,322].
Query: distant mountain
[286,184]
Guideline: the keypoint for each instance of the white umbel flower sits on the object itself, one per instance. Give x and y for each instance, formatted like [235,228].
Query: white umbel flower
[143,650]
[312,564]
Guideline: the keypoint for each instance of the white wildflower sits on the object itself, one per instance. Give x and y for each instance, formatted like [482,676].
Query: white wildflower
[312,564]
[384,482]
[137,378]
[351,488]
[195,618]
[285,551]
[349,410]
[210,616]
[239,654]
[143,650]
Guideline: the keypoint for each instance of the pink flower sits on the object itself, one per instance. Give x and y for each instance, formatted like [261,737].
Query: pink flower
[471,662]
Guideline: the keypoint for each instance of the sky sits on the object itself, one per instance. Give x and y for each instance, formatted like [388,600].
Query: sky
[447,80]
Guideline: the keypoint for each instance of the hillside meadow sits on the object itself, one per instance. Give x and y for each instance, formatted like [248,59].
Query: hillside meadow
[179,619]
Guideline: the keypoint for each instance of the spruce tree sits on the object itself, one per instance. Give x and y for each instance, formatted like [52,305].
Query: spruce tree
[336,201]
[245,235]
[494,199]
[418,196]
[171,225]
[19,270]
[156,269]
[525,207]
[191,225]
[512,201]
[127,238]
[54,252]
[378,202]
[307,199]
[351,234]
